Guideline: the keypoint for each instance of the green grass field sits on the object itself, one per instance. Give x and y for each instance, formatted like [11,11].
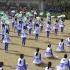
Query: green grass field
[15,48]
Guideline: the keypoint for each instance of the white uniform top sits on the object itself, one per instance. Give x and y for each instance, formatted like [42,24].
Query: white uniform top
[41,23]
[69,62]
[6,39]
[35,21]
[29,25]
[36,30]
[48,52]
[15,23]
[6,27]
[56,25]
[62,24]
[23,34]
[68,39]
[48,69]
[1,68]
[61,45]
[19,27]
[13,19]
[3,31]
[22,62]
[64,61]
[37,59]
[48,27]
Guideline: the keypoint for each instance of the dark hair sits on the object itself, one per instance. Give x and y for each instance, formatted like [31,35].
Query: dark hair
[3,25]
[37,25]
[30,20]
[65,55]
[37,49]
[21,56]
[15,18]
[61,40]
[41,19]
[1,64]
[56,20]
[19,21]
[49,45]
[36,53]
[49,64]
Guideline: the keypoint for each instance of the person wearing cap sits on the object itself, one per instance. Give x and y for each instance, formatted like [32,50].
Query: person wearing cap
[37,57]
[60,47]
[21,65]
[49,66]
[64,63]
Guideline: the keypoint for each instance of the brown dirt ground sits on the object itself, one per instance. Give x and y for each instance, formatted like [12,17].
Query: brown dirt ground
[10,58]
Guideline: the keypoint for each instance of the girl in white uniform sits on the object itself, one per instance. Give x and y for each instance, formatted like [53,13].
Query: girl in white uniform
[48,28]
[3,31]
[36,31]
[68,42]
[62,26]
[23,37]
[49,66]
[7,29]
[19,28]
[64,64]
[15,24]
[41,24]
[37,57]
[61,46]
[6,41]
[56,27]
[48,52]
[30,27]
[21,63]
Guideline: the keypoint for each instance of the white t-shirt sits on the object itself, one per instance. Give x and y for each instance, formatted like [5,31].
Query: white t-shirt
[22,62]
[64,61]
[48,27]
[48,69]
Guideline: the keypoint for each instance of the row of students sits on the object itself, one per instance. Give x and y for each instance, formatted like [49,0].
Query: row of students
[55,27]
[37,60]
[29,25]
